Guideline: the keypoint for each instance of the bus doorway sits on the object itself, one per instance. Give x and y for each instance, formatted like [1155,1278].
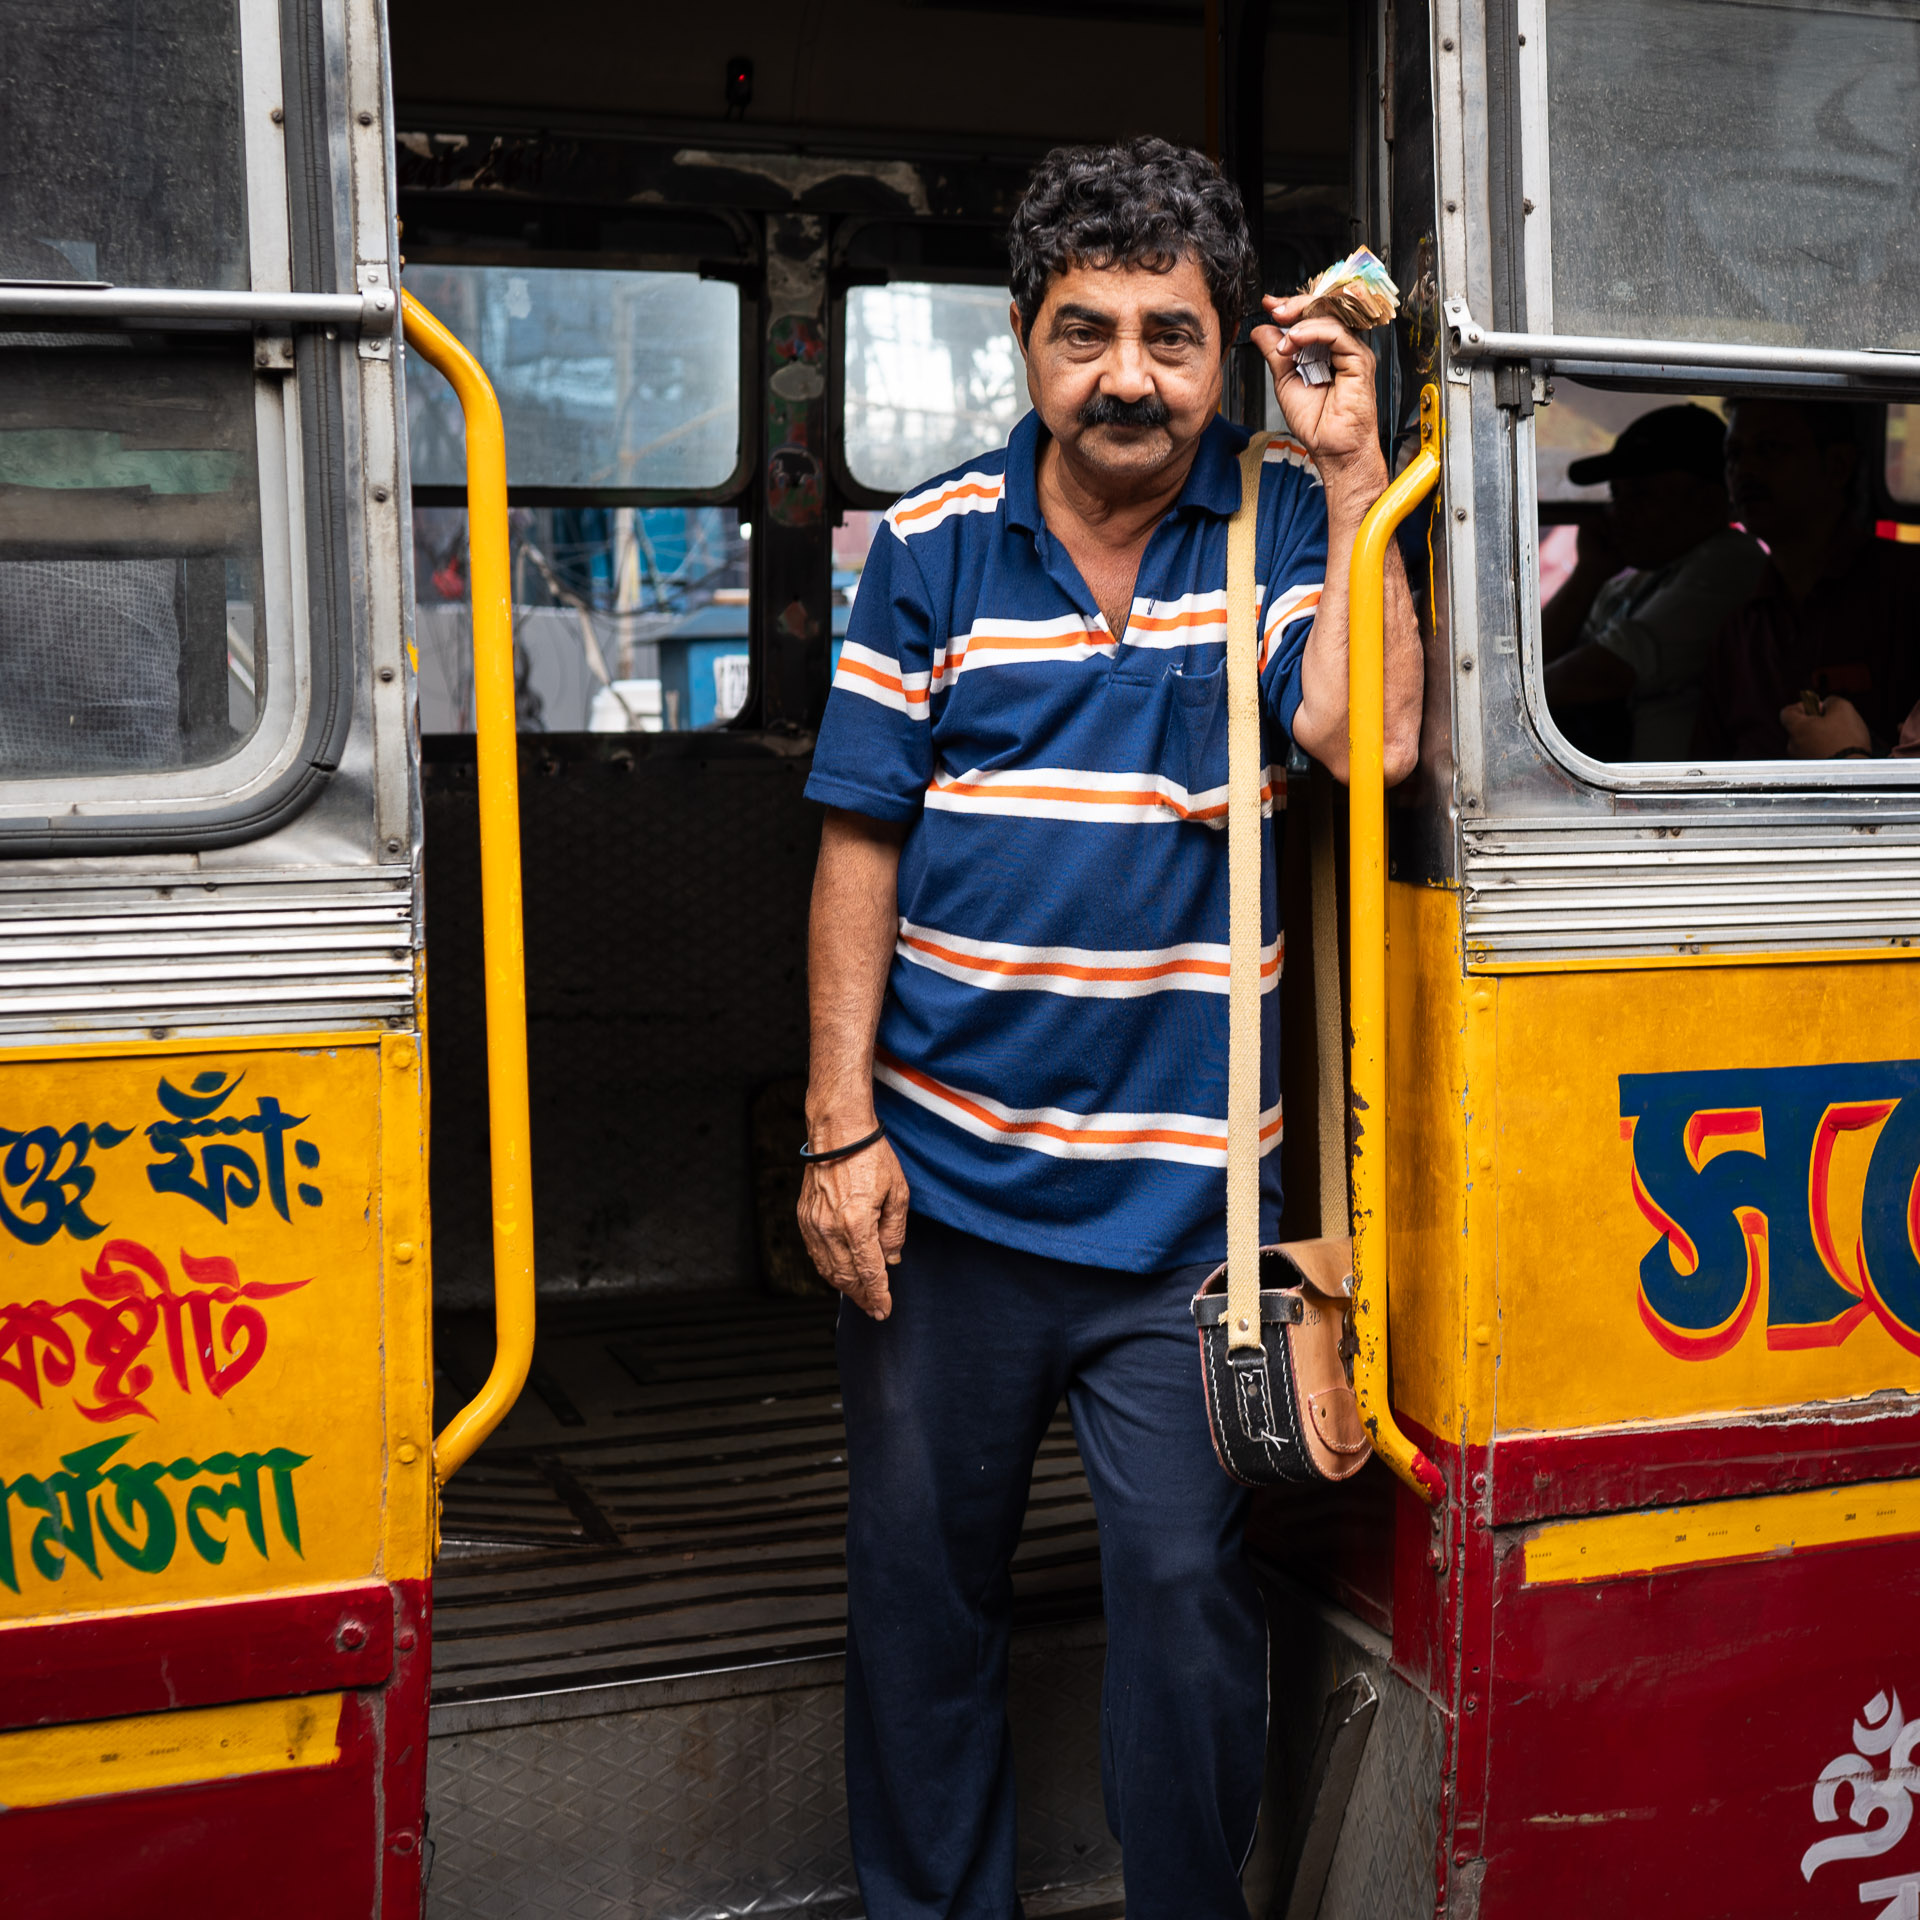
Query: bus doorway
[739,285]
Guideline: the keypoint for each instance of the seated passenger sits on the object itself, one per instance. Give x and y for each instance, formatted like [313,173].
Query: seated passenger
[1633,645]
[1837,611]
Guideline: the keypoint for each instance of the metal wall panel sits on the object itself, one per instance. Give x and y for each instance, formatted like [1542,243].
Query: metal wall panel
[734,1804]
[1556,889]
[99,954]
[1383,1867]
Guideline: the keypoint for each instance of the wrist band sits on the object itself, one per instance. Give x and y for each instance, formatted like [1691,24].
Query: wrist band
[812,1159]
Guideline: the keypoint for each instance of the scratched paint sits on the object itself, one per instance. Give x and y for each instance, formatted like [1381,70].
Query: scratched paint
[192,1402]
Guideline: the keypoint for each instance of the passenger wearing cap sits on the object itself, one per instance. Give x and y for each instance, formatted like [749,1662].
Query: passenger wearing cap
[1639,638]
[1824,661]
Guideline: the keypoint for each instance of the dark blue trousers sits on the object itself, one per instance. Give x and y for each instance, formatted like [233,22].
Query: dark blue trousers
[946,1403]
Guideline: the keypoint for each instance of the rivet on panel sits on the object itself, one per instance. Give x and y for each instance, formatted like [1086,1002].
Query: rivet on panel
[402,1055]
[406,1453]
[1480,1000]
[1483,1336]
[403,1251]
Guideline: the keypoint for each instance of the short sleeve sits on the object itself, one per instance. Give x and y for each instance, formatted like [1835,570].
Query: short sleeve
[1292,571]
[875,750]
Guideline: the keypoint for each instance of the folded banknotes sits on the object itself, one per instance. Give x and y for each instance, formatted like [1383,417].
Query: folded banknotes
[1359,293]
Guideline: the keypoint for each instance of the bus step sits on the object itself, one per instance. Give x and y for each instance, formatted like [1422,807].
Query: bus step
[723,1794]
[640,1626]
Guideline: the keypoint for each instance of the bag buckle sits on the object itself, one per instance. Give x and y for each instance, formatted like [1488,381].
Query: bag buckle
[1253,1393]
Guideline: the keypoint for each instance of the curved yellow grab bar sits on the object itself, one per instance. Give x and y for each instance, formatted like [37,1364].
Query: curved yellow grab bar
[1367,893]
[497,751]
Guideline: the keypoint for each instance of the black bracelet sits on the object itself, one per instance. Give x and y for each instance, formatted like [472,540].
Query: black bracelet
[812,1159]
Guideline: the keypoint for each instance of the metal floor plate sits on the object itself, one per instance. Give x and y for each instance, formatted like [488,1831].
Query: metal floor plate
[669,1499]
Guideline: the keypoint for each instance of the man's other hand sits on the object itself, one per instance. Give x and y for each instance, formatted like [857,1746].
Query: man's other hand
[853,1217]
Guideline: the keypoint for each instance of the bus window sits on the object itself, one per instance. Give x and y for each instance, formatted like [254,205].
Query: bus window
[137,177]
[614,384]
[606,379]
[1713,584]
[131,636]
[625,619]
[1695,151]
[933,377]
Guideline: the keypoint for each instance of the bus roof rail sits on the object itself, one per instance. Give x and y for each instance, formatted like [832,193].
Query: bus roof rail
[371,311]
[1469,341]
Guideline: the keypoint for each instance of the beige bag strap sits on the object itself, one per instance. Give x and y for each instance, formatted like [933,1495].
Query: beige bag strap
[1244,776]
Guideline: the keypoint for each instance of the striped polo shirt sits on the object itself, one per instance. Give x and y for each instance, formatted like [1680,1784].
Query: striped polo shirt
[1052,1054]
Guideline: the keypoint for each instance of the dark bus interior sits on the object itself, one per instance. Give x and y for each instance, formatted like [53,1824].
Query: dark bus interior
[639,1608]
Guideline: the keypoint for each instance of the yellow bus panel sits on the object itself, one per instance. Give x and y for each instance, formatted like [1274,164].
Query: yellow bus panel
[195,1304]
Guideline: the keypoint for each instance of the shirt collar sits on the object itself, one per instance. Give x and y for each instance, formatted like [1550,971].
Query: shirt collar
[1213,482]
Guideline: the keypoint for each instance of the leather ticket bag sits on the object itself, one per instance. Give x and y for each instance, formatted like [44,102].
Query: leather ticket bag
[1272,1320]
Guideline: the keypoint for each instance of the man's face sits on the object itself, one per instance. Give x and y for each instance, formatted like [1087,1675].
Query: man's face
[1779,478]
[1124,366]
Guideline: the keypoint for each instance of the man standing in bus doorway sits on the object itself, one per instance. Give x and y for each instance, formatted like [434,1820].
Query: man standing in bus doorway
[1019,1024]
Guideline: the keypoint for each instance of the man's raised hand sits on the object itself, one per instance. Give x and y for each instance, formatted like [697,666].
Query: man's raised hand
[1336,423]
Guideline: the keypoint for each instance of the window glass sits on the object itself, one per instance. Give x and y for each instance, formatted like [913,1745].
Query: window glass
[123,127]
[932,378]
[606,379]
[1903,454]
[130,557]
[1741,172]
[1716,590]
[625,619]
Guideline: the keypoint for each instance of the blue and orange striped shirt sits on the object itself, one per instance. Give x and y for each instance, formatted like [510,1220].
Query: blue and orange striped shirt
[1052,1054]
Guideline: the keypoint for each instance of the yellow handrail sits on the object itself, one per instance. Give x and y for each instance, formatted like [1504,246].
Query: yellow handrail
[497,753]
[1367,892]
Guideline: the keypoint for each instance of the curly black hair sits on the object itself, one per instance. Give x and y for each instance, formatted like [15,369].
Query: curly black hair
[1134,203]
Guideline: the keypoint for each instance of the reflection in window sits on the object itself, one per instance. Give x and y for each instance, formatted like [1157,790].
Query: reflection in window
[606,379]
[625,619]
[1730,600]
[932,378]
[130,558]
[1735,172]
[124,124]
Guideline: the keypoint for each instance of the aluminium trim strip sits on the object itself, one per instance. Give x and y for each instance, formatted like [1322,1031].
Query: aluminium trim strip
[337,965]
[398,991]
[88,948]
[1512,909]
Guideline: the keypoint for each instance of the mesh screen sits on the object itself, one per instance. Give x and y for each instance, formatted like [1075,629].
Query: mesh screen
[90,660]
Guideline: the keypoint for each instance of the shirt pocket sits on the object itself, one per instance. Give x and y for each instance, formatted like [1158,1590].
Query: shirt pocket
[1194,747]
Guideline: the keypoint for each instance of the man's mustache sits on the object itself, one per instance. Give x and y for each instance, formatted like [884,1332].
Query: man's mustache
[1105,410]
